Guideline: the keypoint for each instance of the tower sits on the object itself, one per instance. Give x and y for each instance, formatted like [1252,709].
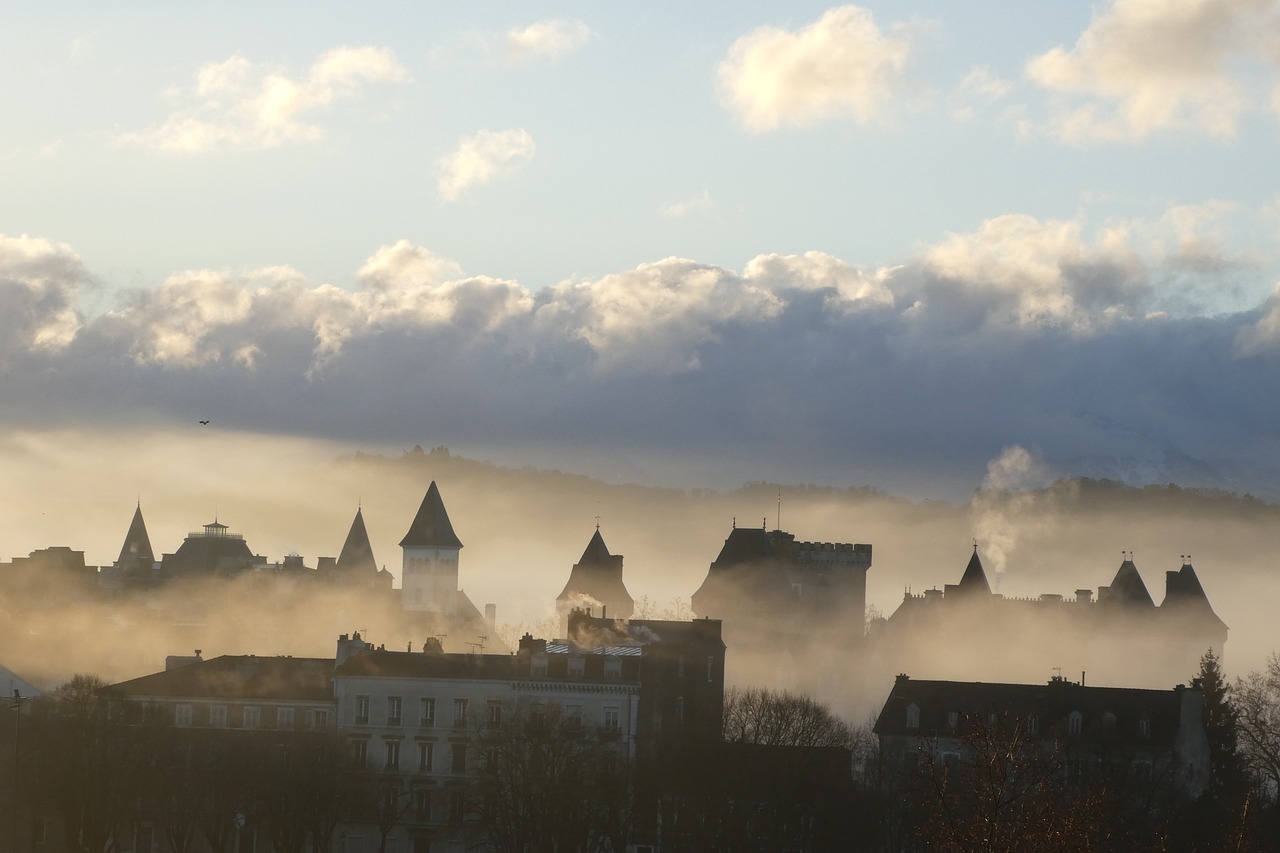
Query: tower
[429,580]
[595,582]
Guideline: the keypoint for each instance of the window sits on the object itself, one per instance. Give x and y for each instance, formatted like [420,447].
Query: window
[393,710]
[1108,723]
[362,710]
[182,715]
[495,714]
[360,752]
[679,709]
[1033,725]
[218,716]
[537,714]
[573,717]
[425,754]
[459,713]
[539,666]
[613,669]
[393,754]
[428,712]
[1075,723]
[422,804]
[457,806]
[913,717]
[576,667]
[284,718]
[711,668]
[953,720]
[38,829]
[611,719]
[318,720]
[459,764]
[252,716]
[680,666]
[1144,727]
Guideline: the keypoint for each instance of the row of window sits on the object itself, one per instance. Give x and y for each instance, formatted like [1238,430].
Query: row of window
[251,717]
[493,713]
[1075,722]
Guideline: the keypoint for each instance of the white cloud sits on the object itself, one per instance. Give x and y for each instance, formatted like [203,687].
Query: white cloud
[980,85]
[842,64]
[38,280]
[850,288]
[1145,66]
[238,103]
[548,38]
[699,203]
[484,157]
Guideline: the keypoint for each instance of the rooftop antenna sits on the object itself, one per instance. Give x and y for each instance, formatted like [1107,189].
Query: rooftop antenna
[478,648]
[779,507]
[1058,670]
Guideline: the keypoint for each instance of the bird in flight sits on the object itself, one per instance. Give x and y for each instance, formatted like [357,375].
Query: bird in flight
[204,423]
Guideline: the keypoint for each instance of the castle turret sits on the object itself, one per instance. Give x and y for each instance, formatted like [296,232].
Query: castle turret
[136,560]
[430,570]
[356,559]
[1127,588]
[595,582]
[973,582]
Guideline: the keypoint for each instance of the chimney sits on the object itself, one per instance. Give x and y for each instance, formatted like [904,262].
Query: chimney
[347,648]
[491,618]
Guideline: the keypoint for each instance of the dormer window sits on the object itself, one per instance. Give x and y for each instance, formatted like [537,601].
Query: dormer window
[913,717]
[539,666]
[1144,726]
[1075,723]
[1108,723]
[577,666]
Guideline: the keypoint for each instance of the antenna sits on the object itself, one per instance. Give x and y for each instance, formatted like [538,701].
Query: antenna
[478,648]
[597,522]
[779,507]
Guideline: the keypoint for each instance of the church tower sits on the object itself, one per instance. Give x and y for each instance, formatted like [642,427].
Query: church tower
[429,581]
[595,583]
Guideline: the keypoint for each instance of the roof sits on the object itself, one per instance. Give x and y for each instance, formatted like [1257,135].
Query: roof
[240,677]
[599,575]
[1051,701]
[357,553]
[379,663]
[137,545]
[974,578]
[1128,588]
[431,527]
[1183,591]
[199,553]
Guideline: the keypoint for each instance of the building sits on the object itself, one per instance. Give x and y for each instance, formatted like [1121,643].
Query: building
[211,552]
[1119,636]
[355,567]
[793,611]
[595,584]
[1121,739]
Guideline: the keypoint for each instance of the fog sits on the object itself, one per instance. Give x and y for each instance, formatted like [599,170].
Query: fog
[524,528]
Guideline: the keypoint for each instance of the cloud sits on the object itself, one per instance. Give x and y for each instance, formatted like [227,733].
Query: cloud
[699,203]
[38,282]
[238,103]
[980,85]
[1020,333]
[547,38]
[1145,66]
[840,65]
[484,157]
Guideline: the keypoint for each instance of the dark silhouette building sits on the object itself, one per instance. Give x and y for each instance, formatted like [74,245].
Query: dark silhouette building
[595,584]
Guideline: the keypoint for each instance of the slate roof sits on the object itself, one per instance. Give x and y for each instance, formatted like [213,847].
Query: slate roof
[599,575]
[137,544]
[431,527]
[240,677]
[380,663]
[1051,703]
[1183,590]
[357,553]
[1128,588]
[974,578]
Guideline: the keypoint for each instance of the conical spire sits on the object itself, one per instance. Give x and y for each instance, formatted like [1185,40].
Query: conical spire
[357,553]
[137,544]
[597,553]
[974,578]
[1128,588]
[431,527]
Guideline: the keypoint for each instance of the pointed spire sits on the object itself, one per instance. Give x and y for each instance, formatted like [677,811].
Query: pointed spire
[1128,588]
[137,544]
[357,553]
[974,578]
[596,553]
[431,527]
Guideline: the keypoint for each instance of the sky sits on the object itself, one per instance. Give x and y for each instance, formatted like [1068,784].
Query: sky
[919,246]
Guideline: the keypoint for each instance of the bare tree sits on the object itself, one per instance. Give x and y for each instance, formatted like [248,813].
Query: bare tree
[778,718]
[1257,701]
[545,782]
